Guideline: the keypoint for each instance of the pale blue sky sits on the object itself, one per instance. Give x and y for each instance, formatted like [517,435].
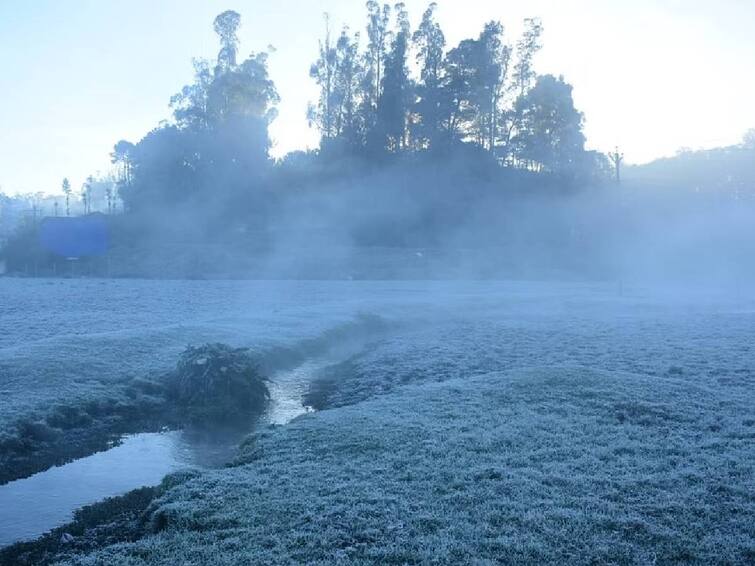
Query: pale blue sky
[77,75]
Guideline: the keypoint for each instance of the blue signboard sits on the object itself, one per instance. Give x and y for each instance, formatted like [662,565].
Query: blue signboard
[77,237]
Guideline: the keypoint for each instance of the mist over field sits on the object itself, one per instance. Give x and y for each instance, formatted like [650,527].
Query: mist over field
[455,331]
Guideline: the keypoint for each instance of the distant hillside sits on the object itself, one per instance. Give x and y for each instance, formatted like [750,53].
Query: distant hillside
[727,169]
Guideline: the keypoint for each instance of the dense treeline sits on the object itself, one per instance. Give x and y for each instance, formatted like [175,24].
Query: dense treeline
[728,172]
[483,91]
[433,160]
[462,153]
[480,101]
[218,139]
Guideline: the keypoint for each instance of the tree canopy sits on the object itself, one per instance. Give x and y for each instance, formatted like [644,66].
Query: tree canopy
[217,145]
[483,92]
[389,93]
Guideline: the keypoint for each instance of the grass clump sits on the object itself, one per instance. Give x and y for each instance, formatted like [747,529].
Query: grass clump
[218,383]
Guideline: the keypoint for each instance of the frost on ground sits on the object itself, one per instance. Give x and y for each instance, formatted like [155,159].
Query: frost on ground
[79,358]
[64,341]
[707,344]
[495,422]
[530,466]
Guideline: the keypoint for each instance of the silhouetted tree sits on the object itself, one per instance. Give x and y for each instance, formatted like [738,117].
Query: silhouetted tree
[86,194]
[121,157]
[324,72]
[167,169]
[243,92]
[66,186]
[109,195]
[220,139]
[550,135]
[378,40]
[231,151]
[190,106]
[226,25]
[348,78]
[522,77]
[526,49]
[431,106]
[396,96]
[458,88]
[491,67]
[481,103]
[337,72]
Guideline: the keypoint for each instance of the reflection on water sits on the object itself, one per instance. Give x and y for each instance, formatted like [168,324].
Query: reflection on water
[32,506]
[287,389]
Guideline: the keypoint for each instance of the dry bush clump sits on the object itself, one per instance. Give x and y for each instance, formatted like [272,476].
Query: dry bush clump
[218,383]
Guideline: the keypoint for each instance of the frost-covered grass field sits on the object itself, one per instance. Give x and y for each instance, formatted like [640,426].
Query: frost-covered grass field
[74,353]
[559,466]
[494,422]
[63,341]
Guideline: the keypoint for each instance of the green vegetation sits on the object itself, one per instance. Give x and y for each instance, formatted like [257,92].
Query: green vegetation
[216,383]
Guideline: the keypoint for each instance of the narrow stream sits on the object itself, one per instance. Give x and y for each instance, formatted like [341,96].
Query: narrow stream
[30,507]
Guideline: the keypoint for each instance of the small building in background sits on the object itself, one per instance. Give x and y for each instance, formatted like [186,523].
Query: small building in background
[75,237]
